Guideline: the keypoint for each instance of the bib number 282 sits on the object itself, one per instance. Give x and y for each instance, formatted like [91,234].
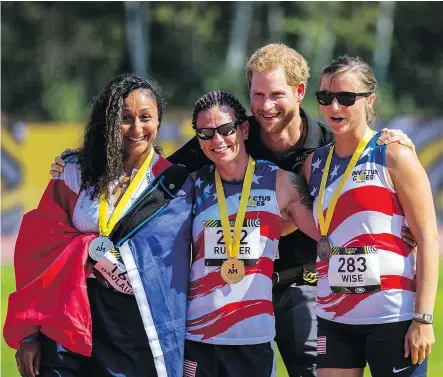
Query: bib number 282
[221,240]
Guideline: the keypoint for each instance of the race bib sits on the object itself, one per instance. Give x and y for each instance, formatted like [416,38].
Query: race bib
[113,274]
[354,270]
[215,247]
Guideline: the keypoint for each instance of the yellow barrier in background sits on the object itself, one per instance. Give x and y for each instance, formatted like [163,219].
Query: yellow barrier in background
[34,154]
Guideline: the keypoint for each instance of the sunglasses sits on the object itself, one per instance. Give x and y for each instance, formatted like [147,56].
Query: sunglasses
[325,98]
[206,133]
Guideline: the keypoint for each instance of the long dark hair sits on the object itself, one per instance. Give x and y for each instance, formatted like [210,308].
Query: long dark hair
[101,156]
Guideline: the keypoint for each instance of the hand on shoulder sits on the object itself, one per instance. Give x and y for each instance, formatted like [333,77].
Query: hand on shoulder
[58,167]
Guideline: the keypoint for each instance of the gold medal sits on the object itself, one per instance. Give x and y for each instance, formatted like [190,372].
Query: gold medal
[232,270]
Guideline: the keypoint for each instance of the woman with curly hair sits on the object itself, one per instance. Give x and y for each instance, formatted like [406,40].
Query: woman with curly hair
[112,305]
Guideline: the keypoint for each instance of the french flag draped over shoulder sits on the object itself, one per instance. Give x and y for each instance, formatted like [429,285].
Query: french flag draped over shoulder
[157,258]
[51,279]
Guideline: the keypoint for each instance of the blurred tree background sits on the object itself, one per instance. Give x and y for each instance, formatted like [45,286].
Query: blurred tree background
[57,55]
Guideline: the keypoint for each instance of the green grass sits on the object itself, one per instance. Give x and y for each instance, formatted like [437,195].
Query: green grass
[7,354]
[435,369]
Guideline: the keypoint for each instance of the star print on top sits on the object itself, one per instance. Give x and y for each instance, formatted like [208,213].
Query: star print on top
[316,165]
[334,172]
[241,313]
[367,214]
[198,182]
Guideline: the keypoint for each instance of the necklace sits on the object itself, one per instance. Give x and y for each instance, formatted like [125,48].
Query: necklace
[122,184]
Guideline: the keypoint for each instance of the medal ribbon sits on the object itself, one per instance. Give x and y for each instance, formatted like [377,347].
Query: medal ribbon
[105,227]
[233,243]
[326,222]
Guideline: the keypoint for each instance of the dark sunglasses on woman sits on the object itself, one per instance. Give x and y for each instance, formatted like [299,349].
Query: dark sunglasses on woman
[206,133]
[325,98]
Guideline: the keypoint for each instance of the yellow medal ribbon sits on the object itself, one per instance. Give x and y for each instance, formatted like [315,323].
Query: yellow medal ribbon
[326,222]
[233,243]
[105,227]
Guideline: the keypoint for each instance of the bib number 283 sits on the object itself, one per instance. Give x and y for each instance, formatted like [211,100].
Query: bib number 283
[358,272]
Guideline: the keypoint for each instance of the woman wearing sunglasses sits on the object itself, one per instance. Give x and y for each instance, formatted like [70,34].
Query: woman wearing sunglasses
[375,298]
[240,208]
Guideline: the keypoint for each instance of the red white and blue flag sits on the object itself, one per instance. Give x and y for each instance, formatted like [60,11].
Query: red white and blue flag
[51,294]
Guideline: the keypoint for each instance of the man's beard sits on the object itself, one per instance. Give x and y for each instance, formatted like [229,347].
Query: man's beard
[281,124]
